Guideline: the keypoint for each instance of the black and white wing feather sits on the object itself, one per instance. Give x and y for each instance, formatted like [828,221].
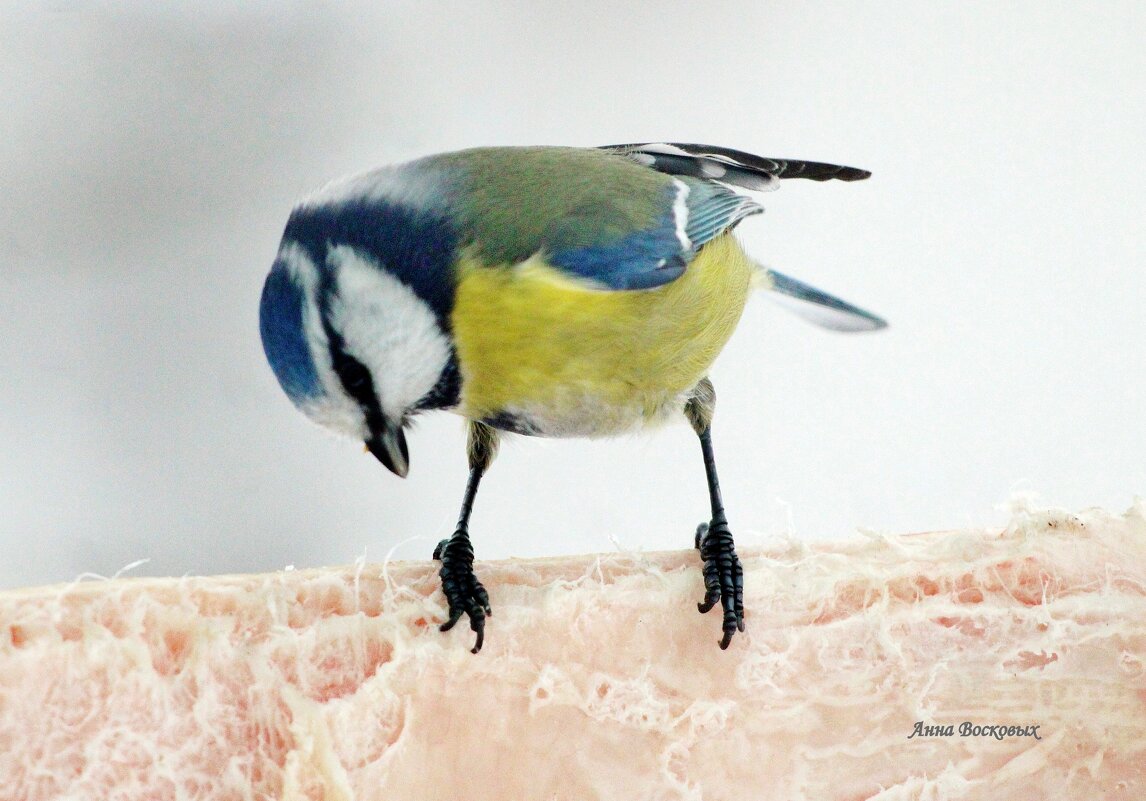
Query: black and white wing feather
[734,167]
[721,169]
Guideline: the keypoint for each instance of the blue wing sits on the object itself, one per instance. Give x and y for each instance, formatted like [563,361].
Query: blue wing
[693,212]
[698,207]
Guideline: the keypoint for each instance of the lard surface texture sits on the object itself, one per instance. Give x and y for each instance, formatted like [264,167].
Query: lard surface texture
[599,679]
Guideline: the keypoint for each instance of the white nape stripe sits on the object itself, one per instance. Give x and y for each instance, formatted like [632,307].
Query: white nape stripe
[388,328]
[415,184]
[680,214]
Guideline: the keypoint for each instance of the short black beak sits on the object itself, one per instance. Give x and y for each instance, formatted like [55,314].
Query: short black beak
[389,447]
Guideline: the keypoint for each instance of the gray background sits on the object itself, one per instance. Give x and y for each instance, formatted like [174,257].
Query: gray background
[149,161]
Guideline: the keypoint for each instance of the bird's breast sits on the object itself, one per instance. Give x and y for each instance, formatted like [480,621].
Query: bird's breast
[543,353]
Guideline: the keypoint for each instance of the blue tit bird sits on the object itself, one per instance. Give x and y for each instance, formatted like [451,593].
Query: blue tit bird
[542,291]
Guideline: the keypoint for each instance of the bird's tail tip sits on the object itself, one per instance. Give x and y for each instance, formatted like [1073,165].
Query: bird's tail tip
[819,307]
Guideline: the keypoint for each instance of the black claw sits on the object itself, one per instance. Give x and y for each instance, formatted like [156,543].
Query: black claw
[464,593]
[723,576]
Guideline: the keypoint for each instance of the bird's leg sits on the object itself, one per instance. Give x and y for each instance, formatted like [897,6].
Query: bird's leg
[464,593]
[723,573]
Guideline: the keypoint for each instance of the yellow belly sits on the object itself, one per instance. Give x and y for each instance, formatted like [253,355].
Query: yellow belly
[573,361]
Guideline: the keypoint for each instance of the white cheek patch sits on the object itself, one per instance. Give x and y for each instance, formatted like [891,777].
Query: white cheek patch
[388,328]
[339,413]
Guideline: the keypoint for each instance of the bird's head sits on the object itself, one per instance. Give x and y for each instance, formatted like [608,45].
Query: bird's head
[354,346]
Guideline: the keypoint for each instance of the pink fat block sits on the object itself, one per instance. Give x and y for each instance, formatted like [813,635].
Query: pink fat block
[955,665]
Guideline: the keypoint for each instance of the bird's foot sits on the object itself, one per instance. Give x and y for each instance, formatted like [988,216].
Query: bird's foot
[464,593]
[723,575]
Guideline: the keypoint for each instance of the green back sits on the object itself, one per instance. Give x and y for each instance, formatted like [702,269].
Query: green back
[512,202]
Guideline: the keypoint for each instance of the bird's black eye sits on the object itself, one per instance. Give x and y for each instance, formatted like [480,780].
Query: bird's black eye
[354,377]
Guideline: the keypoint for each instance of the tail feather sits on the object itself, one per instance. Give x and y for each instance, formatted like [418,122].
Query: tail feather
[816,306]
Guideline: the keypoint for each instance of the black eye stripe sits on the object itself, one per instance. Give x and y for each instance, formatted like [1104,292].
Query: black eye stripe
[354,376]
[356,380]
